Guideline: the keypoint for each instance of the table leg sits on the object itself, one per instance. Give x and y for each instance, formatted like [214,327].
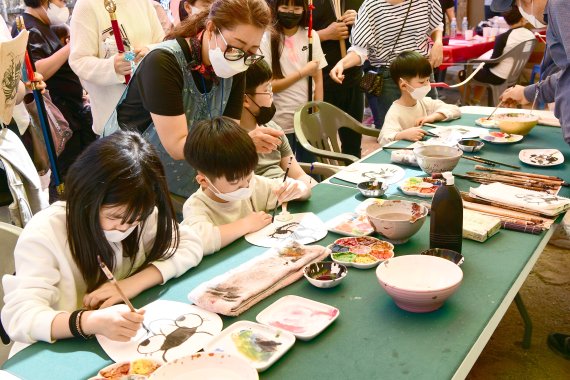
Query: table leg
[526,319]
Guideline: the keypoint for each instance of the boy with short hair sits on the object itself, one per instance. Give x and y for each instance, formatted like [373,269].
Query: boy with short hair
[231,201]
[411,71]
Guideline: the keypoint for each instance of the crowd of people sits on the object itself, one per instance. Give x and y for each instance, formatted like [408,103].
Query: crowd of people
[207,116]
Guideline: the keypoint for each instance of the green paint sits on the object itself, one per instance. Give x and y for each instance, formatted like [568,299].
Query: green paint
[345,257]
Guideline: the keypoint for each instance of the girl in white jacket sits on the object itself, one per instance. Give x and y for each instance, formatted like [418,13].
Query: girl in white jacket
[117,207]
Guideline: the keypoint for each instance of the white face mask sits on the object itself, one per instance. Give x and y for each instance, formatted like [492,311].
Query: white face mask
[222,67]
[531,18]
[57,15]
[236,195]
[115,236]
[418,93]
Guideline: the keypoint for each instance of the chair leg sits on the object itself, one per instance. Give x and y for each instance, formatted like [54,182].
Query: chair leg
[526,319]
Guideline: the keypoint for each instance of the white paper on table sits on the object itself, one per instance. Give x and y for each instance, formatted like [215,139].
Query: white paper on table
[362,172]
[12,55]
[542,202]
[304,228]
[177,330]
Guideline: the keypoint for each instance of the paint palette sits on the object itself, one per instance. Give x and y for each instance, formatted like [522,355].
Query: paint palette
[207,366]
[424,187]
[258,344]
[350,224]
[361,252]
[501,138]
[142,367]
[485,122]
[541,157]
[300,316]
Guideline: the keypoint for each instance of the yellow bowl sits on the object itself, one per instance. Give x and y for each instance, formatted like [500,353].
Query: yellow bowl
[516,123]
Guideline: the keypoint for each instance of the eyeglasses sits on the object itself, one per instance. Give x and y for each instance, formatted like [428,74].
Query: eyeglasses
[268,92]
[235,54]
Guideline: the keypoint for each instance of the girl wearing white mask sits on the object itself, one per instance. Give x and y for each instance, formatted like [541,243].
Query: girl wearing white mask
[117,207]
[411,71]
[231,201]
[197,74]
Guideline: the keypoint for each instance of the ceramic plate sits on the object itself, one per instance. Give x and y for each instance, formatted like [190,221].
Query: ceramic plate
[541,157]
[487,123]
[350,224]
[424,187]
[360,252]
[304,227]
[501,138]
[302,317]
[259,345]
[137,367]
[458,132]
[362,172]
[206,366]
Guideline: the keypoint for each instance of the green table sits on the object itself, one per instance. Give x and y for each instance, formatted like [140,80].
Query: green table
[372,338]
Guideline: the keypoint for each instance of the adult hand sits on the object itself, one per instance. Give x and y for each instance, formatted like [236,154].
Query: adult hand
[513,96]
[335,31]
[115,322]
[140,54]
[257,220]
[38,83]
[336,73]
[436,54]
[349,17]
[265,139]
[290,189]
[122,66]
[106,295]
[411,134]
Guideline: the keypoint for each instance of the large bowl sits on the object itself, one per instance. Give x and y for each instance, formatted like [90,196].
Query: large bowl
[437,158]
[516,123]
[397,221]
[419,283]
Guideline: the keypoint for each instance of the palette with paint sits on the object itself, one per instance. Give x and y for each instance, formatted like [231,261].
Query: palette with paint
[501,138]
[138,368]
[361,252]
[259,345]
[301,316]
[350,224]
[424,187]
[206,366]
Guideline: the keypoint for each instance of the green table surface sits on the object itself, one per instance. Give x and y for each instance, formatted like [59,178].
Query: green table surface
[372,338]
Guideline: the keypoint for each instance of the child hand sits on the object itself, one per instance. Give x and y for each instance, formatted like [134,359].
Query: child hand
[426,119]
[291,189]
[115,322]
[257,220]
[38,83]
[106,295]
[310,69]
[411,134]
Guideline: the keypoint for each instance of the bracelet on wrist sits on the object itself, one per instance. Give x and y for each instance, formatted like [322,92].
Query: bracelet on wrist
[75,325]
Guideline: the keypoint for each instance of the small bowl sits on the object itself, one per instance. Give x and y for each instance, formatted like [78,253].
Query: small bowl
[325,274]
[448,254]
[419,283]
[437,158]
[397,221]
[516,123]
[470,145]
[369,190]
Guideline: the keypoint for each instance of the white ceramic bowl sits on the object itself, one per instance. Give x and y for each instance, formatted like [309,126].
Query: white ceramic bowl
[470,145]
[437,158]
[397,221]
[419,283]
[325,274]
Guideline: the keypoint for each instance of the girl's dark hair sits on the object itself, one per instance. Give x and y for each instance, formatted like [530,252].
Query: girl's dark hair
[225,14]
[512,16]
[119,170]
[220,148]
[409,64]
[33,3]
[257,74]
[277,33]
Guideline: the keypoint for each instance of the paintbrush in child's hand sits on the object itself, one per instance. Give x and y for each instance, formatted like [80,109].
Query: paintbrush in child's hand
[111,278]
[284,179]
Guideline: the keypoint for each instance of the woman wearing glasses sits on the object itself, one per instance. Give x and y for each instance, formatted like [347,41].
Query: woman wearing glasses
[196,74]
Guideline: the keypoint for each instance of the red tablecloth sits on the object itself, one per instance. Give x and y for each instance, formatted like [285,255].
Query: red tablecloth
[453,54]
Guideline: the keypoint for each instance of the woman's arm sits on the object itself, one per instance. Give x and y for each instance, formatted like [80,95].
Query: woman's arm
[50,65]
[172,131]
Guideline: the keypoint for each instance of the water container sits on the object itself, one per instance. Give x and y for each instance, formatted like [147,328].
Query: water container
[446,220]
[453,28]
[464,25]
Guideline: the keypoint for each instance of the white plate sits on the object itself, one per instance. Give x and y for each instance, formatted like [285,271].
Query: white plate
[541,157]
[304,228]
[458,131]
[487,123]
[300,316]
[361,172]
[206,366]
[126,369]
[501,138]
[350,224]
[259,345]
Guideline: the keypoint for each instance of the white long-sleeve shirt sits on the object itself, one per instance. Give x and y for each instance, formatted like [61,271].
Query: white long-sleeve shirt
[204,214]
[400,117]
[93,49]
[48,281]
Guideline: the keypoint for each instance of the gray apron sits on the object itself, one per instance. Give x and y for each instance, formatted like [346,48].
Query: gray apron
[180,176]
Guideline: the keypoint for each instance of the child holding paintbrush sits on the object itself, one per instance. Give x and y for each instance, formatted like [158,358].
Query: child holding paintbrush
[231,201]
[117,208]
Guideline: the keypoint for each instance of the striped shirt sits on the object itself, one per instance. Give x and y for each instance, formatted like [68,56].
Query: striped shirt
[378,23]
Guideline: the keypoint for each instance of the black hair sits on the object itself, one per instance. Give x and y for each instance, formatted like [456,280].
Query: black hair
[512,16]
[257,74]
[119,170]
[409,64]
[33,3]
[277,33]
[220,148]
